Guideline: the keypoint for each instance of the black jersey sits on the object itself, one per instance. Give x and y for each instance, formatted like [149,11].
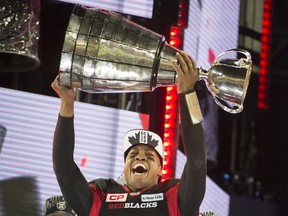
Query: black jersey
[117,199]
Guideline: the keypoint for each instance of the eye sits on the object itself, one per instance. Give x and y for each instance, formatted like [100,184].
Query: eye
[150,157]
[132,154]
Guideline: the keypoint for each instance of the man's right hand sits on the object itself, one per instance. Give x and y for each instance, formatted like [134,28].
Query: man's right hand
[187,72]
[67,96]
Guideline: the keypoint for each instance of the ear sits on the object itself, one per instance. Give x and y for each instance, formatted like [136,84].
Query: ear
[159,171]
[124,168]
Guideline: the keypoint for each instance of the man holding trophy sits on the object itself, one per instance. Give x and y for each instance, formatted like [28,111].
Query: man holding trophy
[142,192]
[104,52]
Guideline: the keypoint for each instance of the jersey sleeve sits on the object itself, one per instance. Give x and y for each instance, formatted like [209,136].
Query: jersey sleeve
[73,184]
[193,180]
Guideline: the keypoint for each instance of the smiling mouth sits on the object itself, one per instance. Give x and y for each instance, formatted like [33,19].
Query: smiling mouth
[139,169]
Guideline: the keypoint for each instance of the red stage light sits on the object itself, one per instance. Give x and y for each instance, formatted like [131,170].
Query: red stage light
[183,13]
[263,80]
[171,112]
[169,128]
[164,171]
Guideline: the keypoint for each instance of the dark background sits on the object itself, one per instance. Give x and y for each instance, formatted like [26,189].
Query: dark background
[261,135]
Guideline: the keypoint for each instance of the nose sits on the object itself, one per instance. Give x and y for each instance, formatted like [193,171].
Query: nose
[141,156]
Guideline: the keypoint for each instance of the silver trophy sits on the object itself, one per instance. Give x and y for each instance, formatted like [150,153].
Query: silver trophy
[104,52]
[227,80]
[19,27]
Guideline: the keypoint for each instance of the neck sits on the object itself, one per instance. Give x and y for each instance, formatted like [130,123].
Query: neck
[133,189]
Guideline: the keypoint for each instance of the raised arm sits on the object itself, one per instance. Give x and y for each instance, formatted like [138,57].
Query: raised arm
[193,180]
[73,184]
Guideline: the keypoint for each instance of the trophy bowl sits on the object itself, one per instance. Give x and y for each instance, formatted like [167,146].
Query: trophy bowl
[228,79]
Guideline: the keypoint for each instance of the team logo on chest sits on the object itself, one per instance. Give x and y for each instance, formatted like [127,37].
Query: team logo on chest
[119,197]
[134,193]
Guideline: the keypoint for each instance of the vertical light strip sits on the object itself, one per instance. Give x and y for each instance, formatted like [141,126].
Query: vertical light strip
[170,132]
[263,81]
[171,106]
[183,13]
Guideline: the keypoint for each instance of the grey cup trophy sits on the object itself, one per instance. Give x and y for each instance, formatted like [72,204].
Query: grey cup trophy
[104,52]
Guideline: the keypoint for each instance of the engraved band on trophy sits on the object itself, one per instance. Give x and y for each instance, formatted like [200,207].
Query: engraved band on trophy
[104,52]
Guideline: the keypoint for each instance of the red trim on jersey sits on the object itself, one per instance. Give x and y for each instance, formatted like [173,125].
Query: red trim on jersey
[172,200]
[97,200]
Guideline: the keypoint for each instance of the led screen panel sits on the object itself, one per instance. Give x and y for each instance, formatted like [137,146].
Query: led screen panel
[26,150]
[141,8]
[213,28]
[215,200]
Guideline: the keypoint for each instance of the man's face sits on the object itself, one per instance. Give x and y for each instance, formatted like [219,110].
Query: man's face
[142,167]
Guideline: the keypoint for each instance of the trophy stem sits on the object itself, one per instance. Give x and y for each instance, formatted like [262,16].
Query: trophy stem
[203,74]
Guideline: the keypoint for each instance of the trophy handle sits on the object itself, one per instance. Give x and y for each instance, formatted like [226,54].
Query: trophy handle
[238,108]
[244,52]
[227,109]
